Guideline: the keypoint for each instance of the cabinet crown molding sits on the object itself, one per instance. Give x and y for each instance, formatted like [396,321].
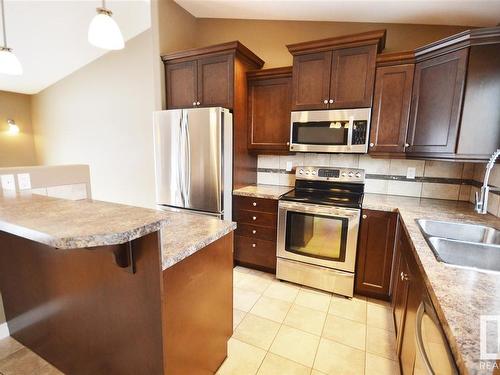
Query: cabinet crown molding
[235,46]
[354,40]
[480,36]
[396,58]
[281,72]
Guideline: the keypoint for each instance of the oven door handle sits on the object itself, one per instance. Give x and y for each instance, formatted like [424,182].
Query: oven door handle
[333,211]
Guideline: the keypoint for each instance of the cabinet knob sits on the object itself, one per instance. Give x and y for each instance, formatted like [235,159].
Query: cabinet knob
[288,143]
[372,144]
[198,103]
[254,204]
[404,276]
[325,101]
[194,103]
[331,101]
[254,231]
[254,218]
[407,145]
[364,216]
[253,245]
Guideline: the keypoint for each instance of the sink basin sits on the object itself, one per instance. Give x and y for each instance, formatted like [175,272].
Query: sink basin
[466,254]
[461,232]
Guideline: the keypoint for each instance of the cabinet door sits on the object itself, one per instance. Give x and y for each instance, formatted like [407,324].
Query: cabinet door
[215,81]
[400,291]
[352,77]
[391,108]
[269,107]
[375,253]
[436,103]
[181,84]
[311,80]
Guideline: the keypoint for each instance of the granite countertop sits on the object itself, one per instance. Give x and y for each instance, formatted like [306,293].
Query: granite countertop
[459,295]
[186,233]
[263,191]
[67,224]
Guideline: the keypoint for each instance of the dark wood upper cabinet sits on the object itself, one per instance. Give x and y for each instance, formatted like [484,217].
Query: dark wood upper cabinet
[353,74]
[437,102]
[206,77]
[336,72]
[311,81]
[181,86]
[377,237]
[215,81]
[269,107]
[391,103]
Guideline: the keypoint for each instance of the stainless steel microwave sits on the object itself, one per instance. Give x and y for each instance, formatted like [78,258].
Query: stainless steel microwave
[344,130]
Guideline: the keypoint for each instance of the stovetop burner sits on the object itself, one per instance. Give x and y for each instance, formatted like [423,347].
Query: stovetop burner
[343,187]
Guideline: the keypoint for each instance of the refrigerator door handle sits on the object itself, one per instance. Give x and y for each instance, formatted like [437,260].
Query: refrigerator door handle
[181,151]
[187,170]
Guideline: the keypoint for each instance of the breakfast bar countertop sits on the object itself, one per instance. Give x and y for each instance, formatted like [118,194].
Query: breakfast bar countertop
[263,191]
[68,224]
[459,295]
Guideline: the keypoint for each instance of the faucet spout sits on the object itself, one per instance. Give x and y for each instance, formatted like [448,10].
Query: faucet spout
[482,200]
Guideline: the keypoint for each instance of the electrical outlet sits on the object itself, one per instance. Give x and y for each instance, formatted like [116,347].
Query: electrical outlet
[8,182]
[24,181]
[289,166]
[411,172]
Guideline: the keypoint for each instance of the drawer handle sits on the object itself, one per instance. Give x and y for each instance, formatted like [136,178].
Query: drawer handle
[253,245]
[254,204]
[254,218]
[254,231]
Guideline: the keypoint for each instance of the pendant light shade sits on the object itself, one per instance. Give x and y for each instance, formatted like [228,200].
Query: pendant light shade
[9,64]
[104,31]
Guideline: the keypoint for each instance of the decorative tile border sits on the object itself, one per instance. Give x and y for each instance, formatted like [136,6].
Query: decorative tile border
[435,180]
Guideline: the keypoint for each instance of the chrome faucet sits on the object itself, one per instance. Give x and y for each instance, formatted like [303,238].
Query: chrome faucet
[482,201]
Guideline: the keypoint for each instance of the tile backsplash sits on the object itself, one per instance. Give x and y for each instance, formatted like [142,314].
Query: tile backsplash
[433,179]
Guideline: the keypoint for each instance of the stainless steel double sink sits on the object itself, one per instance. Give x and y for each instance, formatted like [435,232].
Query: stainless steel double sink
[465,245]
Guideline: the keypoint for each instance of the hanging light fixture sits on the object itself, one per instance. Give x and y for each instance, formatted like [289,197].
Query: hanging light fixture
[9,64]
[104,31]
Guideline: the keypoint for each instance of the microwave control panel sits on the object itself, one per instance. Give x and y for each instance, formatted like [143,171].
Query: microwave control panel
[359,132]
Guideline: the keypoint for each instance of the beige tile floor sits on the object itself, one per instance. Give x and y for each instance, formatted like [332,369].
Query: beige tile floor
[283,328]
[280,329]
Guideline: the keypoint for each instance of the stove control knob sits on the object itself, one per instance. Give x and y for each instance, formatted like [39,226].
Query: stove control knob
[313,173]
[351,174]
[307,173]
[358,175]
[343,174]
[301,171]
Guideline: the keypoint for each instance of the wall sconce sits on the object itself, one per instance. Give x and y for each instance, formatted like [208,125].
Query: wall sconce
[13,128]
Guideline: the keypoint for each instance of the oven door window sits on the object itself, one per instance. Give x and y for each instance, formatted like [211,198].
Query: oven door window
[317,236]
[320,132]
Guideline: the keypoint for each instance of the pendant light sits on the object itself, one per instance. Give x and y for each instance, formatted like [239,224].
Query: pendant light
[103,30]
[9,64]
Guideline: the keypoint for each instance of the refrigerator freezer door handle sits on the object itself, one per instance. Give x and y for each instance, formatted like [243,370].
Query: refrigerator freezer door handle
[181,151]
[187,169]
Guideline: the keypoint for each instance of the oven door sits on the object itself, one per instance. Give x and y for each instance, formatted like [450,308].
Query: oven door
[318,234]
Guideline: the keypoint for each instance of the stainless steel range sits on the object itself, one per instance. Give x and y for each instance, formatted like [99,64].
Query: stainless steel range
[318,226]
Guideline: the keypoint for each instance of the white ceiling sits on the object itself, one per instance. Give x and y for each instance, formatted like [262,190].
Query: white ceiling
[437,12]
[50,37]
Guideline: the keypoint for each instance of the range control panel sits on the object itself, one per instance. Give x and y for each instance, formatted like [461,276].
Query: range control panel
[330,174]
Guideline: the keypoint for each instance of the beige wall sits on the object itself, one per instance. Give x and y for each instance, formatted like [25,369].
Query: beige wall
[101,116]
[17,149]
[268,39]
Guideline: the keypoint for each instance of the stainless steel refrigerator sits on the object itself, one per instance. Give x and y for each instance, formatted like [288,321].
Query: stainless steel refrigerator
[194,160]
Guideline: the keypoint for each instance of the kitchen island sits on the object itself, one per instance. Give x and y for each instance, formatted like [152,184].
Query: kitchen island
[97,287]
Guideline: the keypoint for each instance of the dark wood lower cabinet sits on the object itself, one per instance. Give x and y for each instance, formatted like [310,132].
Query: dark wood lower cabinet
[255,240]
[375,253]
[84,314]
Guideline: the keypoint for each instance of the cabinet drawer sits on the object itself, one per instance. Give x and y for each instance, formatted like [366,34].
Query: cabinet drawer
[257,232]
[255,204]
[256,218]
[255,252]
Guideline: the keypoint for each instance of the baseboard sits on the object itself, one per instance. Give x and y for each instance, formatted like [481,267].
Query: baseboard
[4,331]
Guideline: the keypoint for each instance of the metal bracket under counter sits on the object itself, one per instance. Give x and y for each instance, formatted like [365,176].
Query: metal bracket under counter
[124,257]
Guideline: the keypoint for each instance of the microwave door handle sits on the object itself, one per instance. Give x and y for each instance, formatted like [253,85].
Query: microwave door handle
[349,131]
